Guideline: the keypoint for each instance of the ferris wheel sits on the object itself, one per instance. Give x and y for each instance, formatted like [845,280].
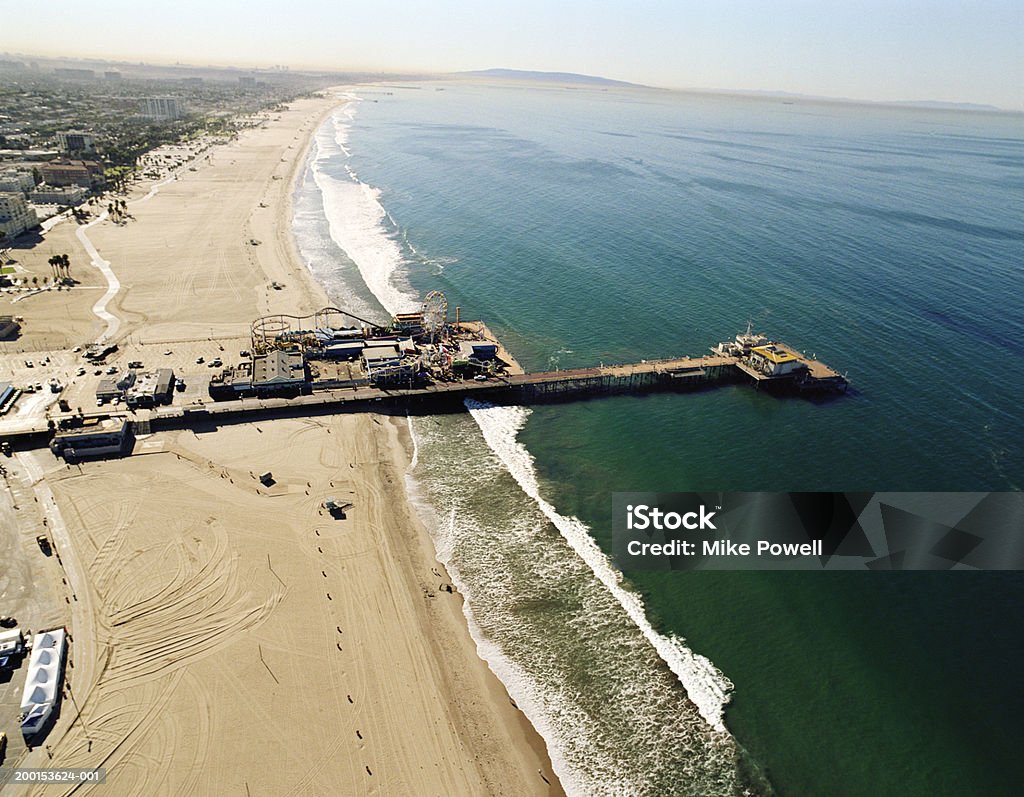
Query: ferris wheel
[435,315]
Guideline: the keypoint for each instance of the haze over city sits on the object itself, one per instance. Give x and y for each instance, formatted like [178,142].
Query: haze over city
[869,50]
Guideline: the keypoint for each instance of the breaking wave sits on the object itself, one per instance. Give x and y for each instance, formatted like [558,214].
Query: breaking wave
[611,735]
[707,687]
[357,221]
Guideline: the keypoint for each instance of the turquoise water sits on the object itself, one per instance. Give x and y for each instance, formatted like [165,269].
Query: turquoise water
[590,226]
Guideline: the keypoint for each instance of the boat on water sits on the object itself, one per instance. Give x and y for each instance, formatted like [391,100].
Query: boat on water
[741,346]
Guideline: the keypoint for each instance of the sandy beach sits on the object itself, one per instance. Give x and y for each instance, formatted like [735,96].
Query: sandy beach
[229,637]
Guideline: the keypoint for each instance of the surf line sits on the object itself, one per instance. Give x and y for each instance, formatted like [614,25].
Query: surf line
[706,686]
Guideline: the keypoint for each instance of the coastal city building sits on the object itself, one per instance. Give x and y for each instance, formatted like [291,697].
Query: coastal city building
[85,173]
[69,196]
[15,214]
[161,108]
[112,75]
[15,180]
[73,142]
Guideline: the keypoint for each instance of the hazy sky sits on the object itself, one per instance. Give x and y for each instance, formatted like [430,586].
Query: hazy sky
[955,50]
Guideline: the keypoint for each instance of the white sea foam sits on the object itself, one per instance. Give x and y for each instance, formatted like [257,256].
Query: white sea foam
[356,219]
[706,686]
[528,694]
[359,225]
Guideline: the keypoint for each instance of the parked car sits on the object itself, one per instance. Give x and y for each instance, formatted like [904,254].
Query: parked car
[12,647]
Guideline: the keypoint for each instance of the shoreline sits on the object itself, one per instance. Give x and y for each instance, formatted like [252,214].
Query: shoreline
[442,712]
[496,688]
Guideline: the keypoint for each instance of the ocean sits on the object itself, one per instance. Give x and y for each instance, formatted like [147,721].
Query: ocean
[588,226]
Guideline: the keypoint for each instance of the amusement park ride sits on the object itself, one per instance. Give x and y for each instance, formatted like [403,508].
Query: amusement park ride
[414,348]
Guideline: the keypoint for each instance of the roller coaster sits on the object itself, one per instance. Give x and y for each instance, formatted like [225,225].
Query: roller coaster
[286,331]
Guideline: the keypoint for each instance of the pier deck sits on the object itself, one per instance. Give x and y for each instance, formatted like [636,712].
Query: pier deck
[513,386]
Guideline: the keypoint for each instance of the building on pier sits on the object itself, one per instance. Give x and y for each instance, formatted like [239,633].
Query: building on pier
[94,438]
[773,360]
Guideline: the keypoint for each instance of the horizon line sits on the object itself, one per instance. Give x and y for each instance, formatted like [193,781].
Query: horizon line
[384,74]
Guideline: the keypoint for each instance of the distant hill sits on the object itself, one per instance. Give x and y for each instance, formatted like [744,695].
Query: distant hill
[549,77]
[947,106]
[792,95]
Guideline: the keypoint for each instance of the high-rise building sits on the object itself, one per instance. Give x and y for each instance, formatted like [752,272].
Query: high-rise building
[15,214]
[162,108]
[74,142]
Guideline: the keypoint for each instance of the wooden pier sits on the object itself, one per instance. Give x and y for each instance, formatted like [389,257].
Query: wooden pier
[676,375]
[512,387]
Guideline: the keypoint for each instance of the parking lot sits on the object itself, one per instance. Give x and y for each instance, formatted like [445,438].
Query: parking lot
[31,588]
[80,378]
